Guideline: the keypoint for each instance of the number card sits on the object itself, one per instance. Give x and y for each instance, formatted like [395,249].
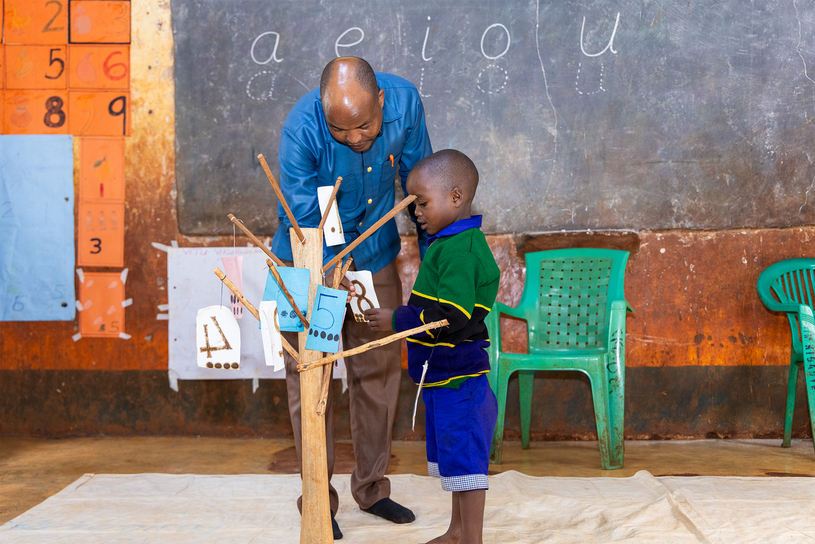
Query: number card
[93,21]
[365,298]
[36,66]
[296,281]
[100,297]
[100,234]
[270,331]
[99,113]
[332,230]
[233,266]
[217,338]
[102,169]
[36,112]
[99,67]
[36,21]
[328,312]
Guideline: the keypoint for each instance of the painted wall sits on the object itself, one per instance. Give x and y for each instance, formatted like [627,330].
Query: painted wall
[704,357]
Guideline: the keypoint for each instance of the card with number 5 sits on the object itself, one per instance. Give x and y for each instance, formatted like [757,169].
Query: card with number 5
[327,314]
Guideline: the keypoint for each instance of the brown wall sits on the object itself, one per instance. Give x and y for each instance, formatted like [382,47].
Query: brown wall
[699,332]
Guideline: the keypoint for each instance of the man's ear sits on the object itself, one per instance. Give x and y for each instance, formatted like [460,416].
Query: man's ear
[381,98]
[456,197]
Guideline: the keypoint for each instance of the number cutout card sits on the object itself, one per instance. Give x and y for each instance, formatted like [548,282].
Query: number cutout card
[328,312]
[93,21]
[36,112]
[296,281]
[36,66]
[365,298]
[102,169]
[217,338]
[99,113]
[233,267]
[332,231]
[270,332]
[100,234]
[99,67]
[101,296]
[36,21]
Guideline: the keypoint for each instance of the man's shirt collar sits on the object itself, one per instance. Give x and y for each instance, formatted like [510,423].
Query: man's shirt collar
[461,225]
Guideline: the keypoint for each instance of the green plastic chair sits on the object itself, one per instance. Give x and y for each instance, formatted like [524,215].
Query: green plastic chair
[575,310]
[789,287]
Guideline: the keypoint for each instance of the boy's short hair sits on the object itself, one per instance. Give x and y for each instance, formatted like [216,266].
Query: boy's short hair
[452,168]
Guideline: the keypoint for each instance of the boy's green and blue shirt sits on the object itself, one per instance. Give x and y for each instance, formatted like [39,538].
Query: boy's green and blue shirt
[458,281]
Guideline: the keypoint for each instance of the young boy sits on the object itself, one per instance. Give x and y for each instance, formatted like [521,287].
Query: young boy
[458,281]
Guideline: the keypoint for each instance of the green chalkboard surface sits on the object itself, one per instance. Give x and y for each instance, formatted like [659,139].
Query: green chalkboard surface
[584,114]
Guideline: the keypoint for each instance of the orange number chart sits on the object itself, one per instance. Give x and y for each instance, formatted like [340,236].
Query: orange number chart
[2,66]
[97,21]
[102,169]
[35,22]
[36,66]
[101,296]
[100,67]
[99,113]
[36,112]
[100,238]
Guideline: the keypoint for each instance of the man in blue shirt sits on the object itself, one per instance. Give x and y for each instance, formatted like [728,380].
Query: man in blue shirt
[365,127]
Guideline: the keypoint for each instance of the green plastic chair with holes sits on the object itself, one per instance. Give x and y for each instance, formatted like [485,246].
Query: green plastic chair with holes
[789,287]
[575,309]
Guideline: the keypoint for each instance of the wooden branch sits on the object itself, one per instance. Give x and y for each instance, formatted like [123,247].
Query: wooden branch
[399,207]
[330,202]
[253,310]
[281,198]
[345,267]
[328,370]
[255,241]
[371,345]
[282,285]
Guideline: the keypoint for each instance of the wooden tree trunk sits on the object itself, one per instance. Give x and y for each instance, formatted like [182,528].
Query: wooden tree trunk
[315,525]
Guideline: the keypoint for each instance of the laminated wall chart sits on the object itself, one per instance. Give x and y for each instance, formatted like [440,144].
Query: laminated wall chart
[64,73]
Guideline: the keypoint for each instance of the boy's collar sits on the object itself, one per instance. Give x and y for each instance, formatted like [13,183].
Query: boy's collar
[473,222]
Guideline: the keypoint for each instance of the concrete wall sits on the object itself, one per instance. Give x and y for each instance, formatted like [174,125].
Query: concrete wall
[704,357]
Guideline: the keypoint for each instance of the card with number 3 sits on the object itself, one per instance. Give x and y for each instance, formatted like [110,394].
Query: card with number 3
[327,314]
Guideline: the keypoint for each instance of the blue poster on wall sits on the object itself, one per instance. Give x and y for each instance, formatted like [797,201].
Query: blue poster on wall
[37,228]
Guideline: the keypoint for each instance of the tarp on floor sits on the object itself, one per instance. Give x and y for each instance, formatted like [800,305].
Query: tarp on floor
[261,509]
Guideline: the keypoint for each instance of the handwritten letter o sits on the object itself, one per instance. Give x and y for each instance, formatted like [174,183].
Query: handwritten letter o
[484,35]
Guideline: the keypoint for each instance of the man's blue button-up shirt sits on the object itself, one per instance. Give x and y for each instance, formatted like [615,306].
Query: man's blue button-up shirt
[310,157]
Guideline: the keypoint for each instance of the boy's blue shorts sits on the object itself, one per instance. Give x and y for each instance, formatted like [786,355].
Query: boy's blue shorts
[459,424]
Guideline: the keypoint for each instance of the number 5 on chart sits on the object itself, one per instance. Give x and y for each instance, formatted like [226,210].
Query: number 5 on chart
[327,314]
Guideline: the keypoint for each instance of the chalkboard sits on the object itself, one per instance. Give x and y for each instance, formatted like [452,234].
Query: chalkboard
[579,115]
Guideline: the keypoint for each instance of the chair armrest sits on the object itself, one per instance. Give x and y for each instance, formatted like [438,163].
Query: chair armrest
[621,305]
[493,323]
[502,308]
[791,308]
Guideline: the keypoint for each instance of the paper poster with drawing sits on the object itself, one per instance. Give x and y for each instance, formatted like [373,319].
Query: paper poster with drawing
[365,298]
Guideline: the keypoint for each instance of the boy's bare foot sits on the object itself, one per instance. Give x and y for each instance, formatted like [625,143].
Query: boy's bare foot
[446,538]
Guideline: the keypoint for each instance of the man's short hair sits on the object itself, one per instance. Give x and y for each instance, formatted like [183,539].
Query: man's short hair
[363,74]
[452,168]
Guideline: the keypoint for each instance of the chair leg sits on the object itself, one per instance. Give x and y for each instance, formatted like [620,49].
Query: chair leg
[501,395]
[525,384]
[792,383]
[601,417]
[809,375]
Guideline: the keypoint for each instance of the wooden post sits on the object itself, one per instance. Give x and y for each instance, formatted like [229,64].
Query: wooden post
[315,526]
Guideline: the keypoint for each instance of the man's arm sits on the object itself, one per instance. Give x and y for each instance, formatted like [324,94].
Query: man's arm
[417,147]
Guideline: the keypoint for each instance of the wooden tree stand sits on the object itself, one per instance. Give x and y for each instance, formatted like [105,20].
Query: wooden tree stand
[315,370]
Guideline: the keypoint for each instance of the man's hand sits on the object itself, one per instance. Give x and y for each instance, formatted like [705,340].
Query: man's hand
[380,319]
[346,285]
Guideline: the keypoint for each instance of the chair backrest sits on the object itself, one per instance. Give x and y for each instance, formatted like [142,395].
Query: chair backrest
[788,282]
[567,296]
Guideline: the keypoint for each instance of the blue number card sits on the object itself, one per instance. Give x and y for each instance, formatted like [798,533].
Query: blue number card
[296,281]
[328,312]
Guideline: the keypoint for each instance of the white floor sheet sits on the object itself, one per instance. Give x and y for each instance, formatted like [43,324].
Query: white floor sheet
[260,509]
